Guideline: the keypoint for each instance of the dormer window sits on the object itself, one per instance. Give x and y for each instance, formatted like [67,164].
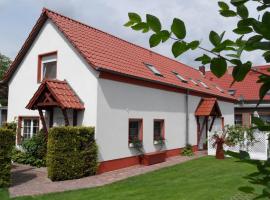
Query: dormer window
[181,78]
[203,84]
[153,69]
[47,66]
[194,82]
[231,92]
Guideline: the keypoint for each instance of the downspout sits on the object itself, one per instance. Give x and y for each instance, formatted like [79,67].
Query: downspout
[187,117]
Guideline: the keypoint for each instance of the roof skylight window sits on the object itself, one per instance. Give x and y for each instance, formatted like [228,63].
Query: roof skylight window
[219,89]
[181,78]
[232,92]
[194,82]
[203,84]
[153,69]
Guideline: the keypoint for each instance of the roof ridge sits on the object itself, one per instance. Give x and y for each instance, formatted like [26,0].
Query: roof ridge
[88,26]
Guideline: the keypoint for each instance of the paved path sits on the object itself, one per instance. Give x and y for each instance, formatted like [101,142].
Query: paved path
[28,180]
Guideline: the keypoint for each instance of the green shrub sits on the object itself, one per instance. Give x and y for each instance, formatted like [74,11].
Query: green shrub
[7,141]
[72,153]
[187,151]
[10,125]
[33,152]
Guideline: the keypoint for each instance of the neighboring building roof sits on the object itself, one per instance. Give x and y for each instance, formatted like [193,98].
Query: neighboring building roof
[60,92]
[105,52]
[208,107]
[248,89]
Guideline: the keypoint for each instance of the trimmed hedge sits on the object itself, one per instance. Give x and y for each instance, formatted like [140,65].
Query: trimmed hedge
[71,153]
[7,142]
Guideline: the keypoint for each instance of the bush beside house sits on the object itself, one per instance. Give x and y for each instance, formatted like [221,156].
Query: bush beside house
[7,141]
[33,151]
[72,153]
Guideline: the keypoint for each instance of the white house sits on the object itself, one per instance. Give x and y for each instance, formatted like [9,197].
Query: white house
[68,73]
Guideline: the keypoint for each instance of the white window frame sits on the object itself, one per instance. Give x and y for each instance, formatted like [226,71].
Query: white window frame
[48,59]
[203,84]
[31,119]
[194,82]
[221,90]
[181,78]
[153,69]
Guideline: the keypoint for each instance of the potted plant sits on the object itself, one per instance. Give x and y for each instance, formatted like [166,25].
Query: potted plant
[136,143]
[231,136]
[221,138]
[159,140]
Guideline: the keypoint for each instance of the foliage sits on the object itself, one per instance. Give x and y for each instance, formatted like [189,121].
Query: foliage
[33,151]
[187,151]
[72,153]
[236,135]
[159,140]
[137,144]
[4,64]
[10,125]
[7,141]
[252,33]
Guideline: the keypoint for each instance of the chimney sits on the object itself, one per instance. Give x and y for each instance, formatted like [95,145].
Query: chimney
[202,69]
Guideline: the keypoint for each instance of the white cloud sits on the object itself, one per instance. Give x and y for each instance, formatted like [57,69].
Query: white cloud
[200,17]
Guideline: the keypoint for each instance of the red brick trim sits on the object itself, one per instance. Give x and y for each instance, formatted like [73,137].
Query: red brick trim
[39,70]
[111,165]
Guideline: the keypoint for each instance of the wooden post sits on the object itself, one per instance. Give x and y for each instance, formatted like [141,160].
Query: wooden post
[64,111]
[75,116]
[51,118]
[212,123]
[43,121]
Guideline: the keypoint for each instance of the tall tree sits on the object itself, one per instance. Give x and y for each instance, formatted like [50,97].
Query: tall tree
[253,34]
[4,64]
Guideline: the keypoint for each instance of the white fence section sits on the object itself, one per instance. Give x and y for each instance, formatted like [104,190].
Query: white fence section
[257,151]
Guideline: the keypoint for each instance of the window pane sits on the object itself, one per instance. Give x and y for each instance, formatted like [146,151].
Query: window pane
[26,128]
[157,129]
[49,70]
[133,130]
[265,118]
[238,119]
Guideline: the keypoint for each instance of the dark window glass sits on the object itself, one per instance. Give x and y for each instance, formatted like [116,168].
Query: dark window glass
[158,129]
[238,119]
[134,129]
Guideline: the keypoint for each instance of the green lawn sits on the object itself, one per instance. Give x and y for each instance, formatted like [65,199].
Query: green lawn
[205,178]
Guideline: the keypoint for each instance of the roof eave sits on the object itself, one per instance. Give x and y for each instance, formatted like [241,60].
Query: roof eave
[102,69]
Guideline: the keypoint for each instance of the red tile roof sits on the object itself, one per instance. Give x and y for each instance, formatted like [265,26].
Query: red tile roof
[105,52]
[206,107]
[248,88]
[60,91]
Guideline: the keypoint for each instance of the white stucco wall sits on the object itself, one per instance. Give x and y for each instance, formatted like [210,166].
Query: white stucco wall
[117,102]
[70,66]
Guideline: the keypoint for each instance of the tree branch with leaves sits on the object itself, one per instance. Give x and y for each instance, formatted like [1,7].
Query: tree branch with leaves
[252,34]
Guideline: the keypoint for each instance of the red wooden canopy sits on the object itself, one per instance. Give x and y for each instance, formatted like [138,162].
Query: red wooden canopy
[55,93]
[208,107]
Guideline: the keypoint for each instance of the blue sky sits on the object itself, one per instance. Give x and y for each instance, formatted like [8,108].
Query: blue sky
[17,17]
